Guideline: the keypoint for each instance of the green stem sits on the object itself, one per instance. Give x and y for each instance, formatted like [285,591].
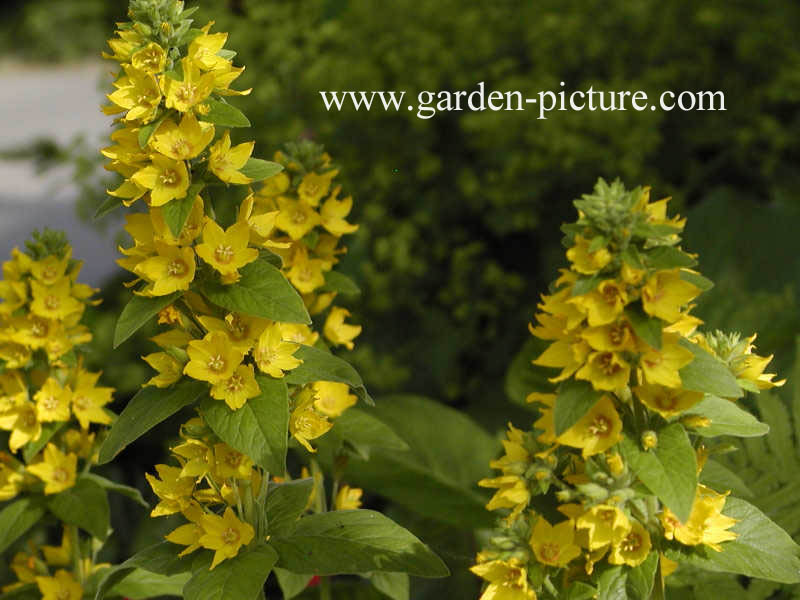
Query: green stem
[325,588]
[658,587]
[77,559]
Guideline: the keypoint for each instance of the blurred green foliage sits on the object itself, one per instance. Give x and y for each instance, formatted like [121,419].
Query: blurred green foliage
[460,213]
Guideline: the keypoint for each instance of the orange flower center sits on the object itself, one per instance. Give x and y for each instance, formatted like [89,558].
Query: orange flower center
[186,93]
[550,552]
[52,302]
[169,177]
[60,474]
[81,403]
[223,254]
[600,426]
[230,536]
[632,542]
[216,363]
[298,217]
[607,364]
[50,402]
[39,328]
[177,268]
[234,384]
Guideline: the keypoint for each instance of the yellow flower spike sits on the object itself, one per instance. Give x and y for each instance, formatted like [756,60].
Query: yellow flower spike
[508,580]
[585,262]
[603,304]
[305,423]
[138,93]
[665,293]
[230,463]
[171,270]
[272,354]
[668,402]
[88,400]
[212,359]
[605,371]
[633,549]
[315,186]
[225,161]
[52,402]
[226,250]
[225,535]
[554,545]
[166,179]
[296,217]
[184,141]
[662,366]
[54,301]
[348,498]
[332,398]
[169,369]
[604,525]
[173,490]
[306,273]
[184,95]
[56,469]
[337,331]
[61,587]
[150,59]
[597,431]
[238,388]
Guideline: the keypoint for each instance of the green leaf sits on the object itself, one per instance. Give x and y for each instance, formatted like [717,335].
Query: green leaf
[241,577]
[578,590]
[147,131]
[16,518]
[338,282]
[726,419]
[707,374]
[291,584]
[178,210]
[355,541]
[272,258]
[258,170]
[262,291]
[285,503]
[522,377]
[147,409]
[668,257]
[222,113]
[86,505]
[48,431]
[224,53]
[112,486]
[611,584]
[394,585]
[258,429]
[584,285]
[109,205]
[138,311]
[641,578]
[762,549]
[364,431]
[669,470]
[28,591]
[448,453]
[646,327]
[319,365]
[697,280]
[139,585]
[718,477]
[632,257]
[574,400]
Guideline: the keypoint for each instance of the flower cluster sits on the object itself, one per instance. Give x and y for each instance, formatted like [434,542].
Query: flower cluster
[619,330]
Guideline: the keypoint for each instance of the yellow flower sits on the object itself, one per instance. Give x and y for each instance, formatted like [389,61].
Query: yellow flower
[203,51]
[242,330]
[20,419]
[706,525]
[173,489]
[337,331]
[13,294]
[633,549]
[605,371]
[603,304]
[61,587]
[662,366]
[50,269]
[665,293]
[348,498]
[299,334]
[150,59]
[189,534]
[88,400]
[517,458]
[512,492]
[238,388]
[52,402]
[604,525]
[226,250]
[212,359]
[195,87]
[314,186]
[554,545]
[168,367]
[272,354]
[166,178]
[225,161]
[332,398]
[225,534]
[55,301]
[59,556]
[567,354]
[614,337]
[596,431]
[10,481]
[171,270]
[333,213]
[57,469]
[305,423]
[184,141]
[751,367]
[306,274]
[508,580]
[584,261]
[230,463]
[667,402]
[296,217]
[138,94]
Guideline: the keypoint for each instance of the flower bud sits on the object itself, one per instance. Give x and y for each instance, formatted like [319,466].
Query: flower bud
[649,439]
